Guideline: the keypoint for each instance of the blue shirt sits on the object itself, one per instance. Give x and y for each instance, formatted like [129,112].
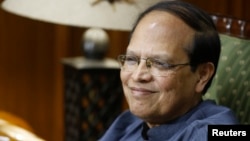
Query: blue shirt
[190,127]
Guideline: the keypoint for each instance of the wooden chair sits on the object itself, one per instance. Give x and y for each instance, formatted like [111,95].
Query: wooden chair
[232,26]
[231,85]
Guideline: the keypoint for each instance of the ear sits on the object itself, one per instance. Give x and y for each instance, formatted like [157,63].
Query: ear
[205,72]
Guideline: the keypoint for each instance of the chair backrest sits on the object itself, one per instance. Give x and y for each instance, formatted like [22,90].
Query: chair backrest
[232,26]
[231,85]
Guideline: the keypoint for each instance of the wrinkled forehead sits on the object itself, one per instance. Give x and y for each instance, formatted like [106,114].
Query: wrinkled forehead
[160,32]
[165,21]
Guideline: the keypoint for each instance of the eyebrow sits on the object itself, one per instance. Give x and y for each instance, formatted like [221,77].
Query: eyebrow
[154,56]
[129,52]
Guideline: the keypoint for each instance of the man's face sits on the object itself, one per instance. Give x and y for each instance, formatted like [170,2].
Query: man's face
[158,99]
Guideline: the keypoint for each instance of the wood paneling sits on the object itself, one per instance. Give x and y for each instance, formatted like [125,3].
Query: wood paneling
[31,74]
[236,8]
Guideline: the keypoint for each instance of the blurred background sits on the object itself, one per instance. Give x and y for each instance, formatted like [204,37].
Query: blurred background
[31,71]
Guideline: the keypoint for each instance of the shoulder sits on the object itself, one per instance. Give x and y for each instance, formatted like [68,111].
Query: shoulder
[207,113]
[195,125]
[125,125]
[211,113]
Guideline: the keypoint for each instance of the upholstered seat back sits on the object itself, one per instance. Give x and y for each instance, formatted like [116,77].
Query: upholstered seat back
[231,85]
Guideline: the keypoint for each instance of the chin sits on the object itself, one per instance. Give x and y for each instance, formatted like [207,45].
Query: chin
[141,114]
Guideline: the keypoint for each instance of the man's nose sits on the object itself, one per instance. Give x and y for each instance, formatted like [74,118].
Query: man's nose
[141,72]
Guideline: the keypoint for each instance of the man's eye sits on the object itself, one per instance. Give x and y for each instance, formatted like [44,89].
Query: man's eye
[160,64]
[130,59]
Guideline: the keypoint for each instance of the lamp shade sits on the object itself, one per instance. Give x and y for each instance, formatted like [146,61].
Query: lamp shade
[107,14]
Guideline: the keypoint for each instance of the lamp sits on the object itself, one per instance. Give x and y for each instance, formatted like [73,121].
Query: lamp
[107,14]
[97,14]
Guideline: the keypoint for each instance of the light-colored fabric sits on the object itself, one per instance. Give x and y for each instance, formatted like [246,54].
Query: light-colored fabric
[231,85]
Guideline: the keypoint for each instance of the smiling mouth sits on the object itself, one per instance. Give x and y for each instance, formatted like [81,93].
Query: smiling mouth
[141,92]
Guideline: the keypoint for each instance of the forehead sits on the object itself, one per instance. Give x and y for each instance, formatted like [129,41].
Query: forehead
[160,32]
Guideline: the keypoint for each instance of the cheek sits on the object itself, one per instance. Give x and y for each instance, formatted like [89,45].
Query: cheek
[175,85]
[172,89]
[166,83]
[185,84]
[124,77]
[168,88]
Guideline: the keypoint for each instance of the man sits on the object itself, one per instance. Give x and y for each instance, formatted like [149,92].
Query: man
[169,64]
